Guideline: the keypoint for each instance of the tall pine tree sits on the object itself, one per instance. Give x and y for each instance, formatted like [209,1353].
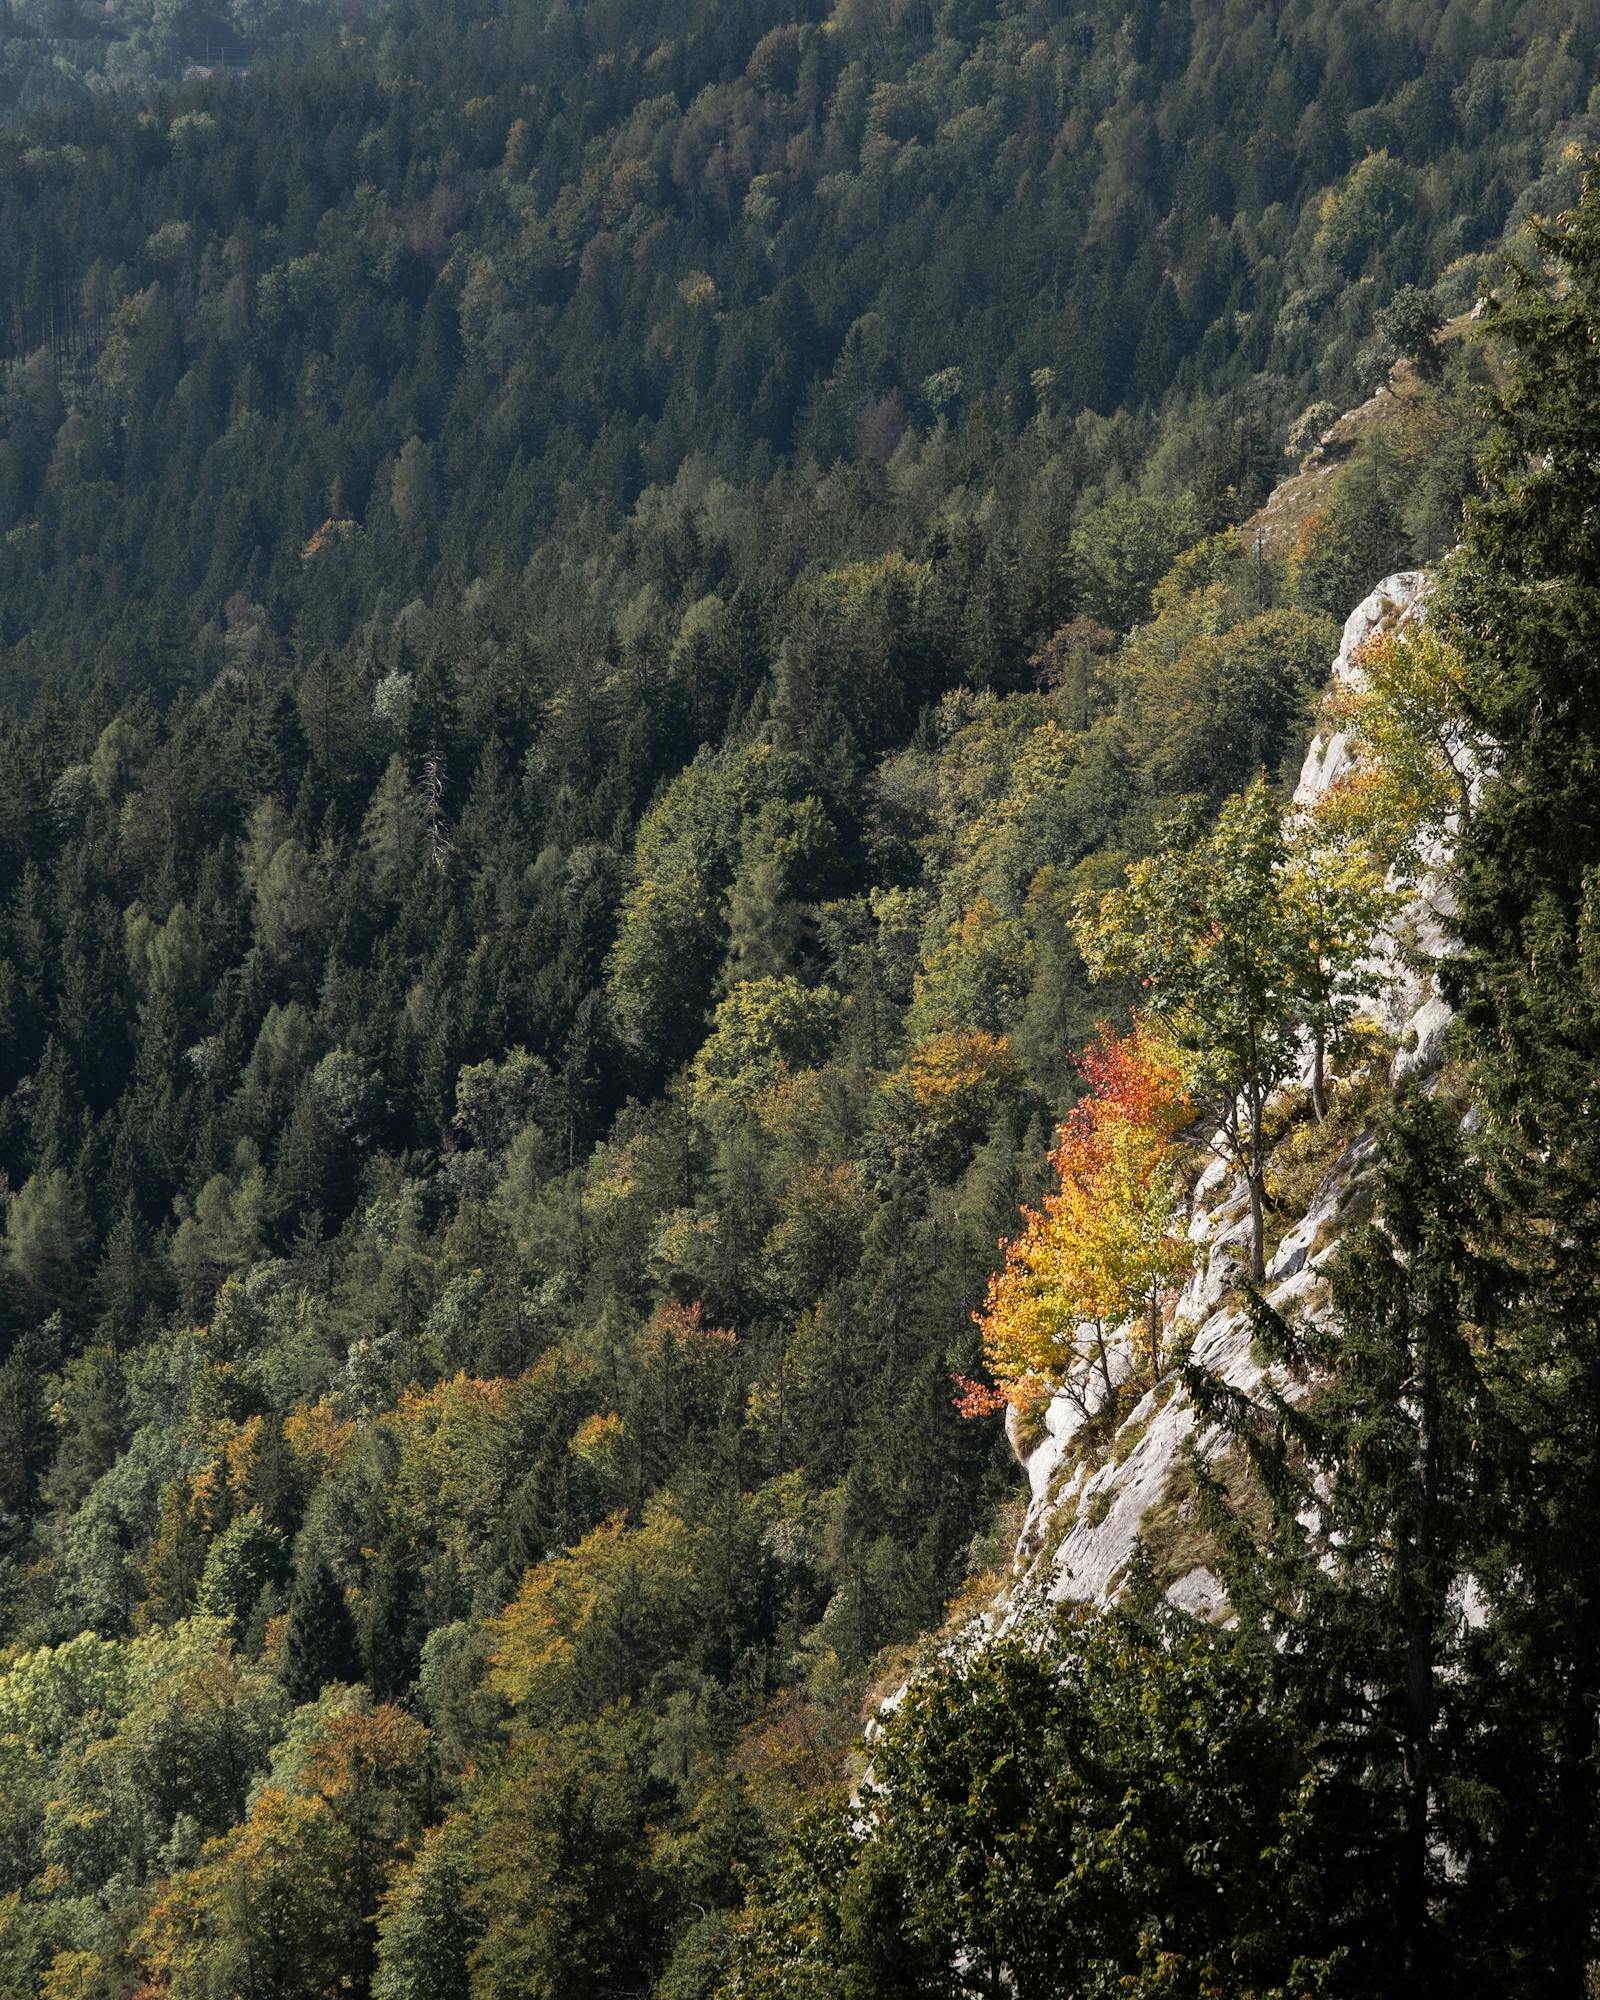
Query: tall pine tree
[1521,602]
[1381,1499]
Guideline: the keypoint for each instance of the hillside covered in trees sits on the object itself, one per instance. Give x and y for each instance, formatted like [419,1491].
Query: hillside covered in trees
[600,611]
[54,51]
[421,316]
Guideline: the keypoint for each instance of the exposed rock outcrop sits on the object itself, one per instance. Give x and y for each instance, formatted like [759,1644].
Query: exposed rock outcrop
[1100,1479]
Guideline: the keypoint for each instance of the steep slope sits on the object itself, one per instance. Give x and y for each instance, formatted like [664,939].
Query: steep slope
[430,296]
[1405,1684]
[1103,1478]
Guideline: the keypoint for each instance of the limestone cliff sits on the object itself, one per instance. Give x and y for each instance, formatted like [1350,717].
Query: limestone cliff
[1102,1476]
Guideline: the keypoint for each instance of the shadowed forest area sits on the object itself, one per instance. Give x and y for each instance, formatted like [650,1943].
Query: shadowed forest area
[585,594]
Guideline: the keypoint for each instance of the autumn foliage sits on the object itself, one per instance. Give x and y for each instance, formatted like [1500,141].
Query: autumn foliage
[1108,1243]
[279,1903]
[1408,716]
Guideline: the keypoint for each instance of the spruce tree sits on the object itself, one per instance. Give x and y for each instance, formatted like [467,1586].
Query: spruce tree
[387,1641]
[1379,1471]
[320,1645]
[1521,602]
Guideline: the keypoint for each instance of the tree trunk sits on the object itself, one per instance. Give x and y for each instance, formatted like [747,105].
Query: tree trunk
[1104,1359]
[1257,1177]
[1255,1166]
[1258,1226]
[1319,1093]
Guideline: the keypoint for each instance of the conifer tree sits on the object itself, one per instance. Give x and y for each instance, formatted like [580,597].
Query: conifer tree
[56,1111]
[320,1643]
[128,1281]
[1381,1486]
[1520,602]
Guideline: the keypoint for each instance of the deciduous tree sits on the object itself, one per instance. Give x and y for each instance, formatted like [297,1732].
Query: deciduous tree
[1109,1241]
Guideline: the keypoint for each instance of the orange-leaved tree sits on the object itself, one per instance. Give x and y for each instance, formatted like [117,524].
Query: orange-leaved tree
[1109,1243]
[283,1902]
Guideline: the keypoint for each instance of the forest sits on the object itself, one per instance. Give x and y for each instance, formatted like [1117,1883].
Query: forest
[647,678]
[54,51]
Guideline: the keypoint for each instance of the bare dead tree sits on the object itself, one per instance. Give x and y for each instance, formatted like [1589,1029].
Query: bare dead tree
[431,795]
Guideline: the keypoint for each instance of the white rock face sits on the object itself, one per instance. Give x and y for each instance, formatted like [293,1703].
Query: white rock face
[1081,1525]
[1420,1049]
[1201,1594]
[1393,604]
[1409,1006]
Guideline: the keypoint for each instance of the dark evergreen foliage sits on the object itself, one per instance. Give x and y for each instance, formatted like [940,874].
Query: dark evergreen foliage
[581,591]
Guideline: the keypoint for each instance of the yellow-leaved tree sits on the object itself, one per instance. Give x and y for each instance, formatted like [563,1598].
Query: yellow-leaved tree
[1109,1243]
[1410,717]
